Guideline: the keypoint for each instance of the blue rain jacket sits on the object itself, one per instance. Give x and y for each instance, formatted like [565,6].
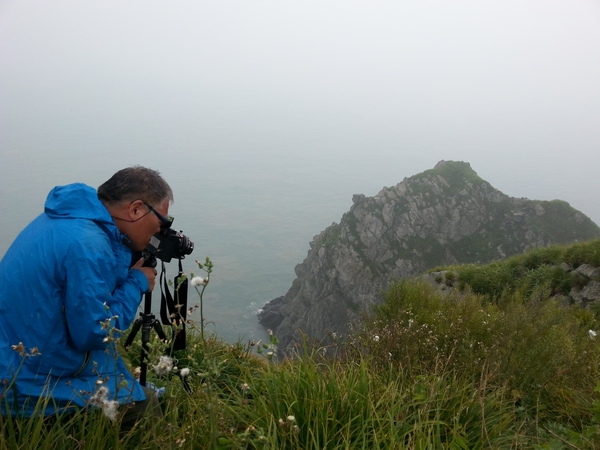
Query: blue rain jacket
[64,276]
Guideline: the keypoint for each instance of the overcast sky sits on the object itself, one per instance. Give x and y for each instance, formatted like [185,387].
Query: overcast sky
[511,86]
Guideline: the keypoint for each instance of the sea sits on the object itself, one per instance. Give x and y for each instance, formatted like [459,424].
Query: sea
[251,191]
[250,201]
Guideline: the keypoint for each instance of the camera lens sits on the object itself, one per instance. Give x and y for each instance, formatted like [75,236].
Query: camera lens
[187,246]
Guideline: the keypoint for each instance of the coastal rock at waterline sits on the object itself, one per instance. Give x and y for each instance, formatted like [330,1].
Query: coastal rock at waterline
[443,216]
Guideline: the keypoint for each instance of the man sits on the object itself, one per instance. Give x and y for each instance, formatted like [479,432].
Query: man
[67,287]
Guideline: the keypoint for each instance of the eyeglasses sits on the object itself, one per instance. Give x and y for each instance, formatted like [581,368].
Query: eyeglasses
[166,222]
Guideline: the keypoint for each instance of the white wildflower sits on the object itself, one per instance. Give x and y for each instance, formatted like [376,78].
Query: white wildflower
[592,334]
[376,338]
[110,408]
[100,395]
[199,281]
[184,372]
[291,418]
[20,348]
[164,366]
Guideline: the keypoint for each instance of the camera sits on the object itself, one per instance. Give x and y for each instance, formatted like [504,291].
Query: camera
[168,244]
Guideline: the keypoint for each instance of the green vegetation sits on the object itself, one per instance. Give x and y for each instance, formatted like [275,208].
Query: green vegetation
[330,237]
[535,355]
[557,222]
[498,365]
[458,175]
[526,274]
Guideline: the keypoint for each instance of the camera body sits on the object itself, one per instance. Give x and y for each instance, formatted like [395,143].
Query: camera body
[168,244]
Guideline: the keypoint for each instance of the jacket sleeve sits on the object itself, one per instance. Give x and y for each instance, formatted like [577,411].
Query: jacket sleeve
[101,293]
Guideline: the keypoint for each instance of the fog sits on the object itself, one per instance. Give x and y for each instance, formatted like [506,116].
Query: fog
[267,116]
[388,88]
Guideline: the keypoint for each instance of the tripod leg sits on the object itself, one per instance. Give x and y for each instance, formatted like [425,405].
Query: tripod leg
[144,354]
[159,330]
[134,329]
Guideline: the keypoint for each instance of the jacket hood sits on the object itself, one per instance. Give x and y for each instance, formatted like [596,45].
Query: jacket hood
[76,201]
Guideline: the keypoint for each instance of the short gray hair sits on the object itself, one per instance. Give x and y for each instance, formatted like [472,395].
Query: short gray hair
[135,183]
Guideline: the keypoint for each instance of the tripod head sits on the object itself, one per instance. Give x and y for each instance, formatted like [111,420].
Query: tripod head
[149,259]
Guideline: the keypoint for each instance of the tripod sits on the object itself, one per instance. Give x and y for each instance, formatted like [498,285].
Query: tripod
[148,322]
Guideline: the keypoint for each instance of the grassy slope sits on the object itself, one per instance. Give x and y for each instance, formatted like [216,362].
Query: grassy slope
[503,368]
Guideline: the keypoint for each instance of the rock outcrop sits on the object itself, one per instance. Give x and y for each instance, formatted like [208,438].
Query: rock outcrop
[443,216]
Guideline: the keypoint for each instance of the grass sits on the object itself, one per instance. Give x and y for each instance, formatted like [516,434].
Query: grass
[511,369]
[528,272]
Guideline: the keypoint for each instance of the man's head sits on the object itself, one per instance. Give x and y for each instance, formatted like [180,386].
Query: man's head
[133,196]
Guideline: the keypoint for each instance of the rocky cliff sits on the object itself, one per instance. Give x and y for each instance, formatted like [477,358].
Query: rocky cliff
[443,216]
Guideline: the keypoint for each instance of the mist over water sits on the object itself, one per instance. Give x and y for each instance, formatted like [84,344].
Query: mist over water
[251,205]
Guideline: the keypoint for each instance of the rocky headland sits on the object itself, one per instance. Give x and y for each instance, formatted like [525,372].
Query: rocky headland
[444,216]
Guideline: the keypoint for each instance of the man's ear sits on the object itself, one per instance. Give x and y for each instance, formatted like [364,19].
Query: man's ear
[137,209]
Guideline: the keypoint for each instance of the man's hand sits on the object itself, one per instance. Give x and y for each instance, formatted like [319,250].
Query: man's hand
[150,272]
